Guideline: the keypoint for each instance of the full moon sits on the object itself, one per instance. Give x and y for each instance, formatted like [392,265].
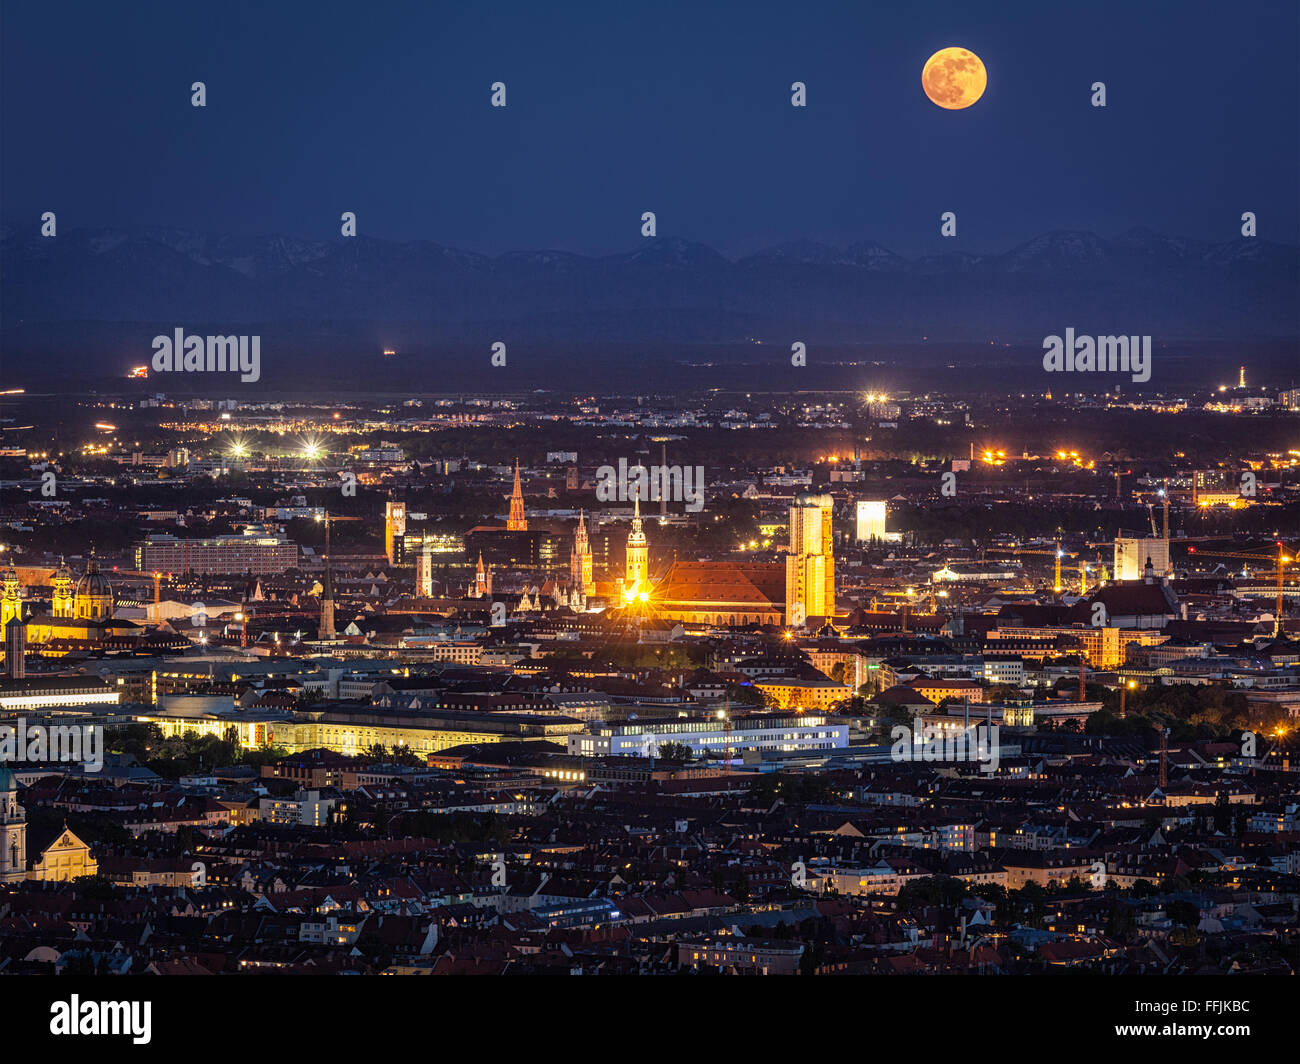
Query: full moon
[954,78]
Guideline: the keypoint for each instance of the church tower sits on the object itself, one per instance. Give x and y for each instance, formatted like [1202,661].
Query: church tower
[63,599]
[518,520]
[15,636]
[635,573]
[424,571]
[482,587]
[11,598]
[580,562]
[13,831]
[810,561]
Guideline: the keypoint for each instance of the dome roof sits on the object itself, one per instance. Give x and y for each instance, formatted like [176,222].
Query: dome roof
[94,582]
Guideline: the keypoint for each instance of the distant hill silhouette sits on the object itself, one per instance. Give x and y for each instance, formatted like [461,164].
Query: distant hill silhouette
[94,298]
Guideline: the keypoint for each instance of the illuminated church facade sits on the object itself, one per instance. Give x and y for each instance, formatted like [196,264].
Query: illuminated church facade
[794,592]
[61,859]
[82,612]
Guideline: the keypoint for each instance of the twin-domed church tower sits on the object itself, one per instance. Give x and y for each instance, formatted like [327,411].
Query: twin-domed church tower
[91,601]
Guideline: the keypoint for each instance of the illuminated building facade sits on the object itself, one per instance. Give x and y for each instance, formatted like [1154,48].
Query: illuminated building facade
[350,731]
[84,615]
[517,521]
[712,735]
[11,598]
[581,568]
[722,593]
[1132,554]
[810,562]
[394,529]
[636,576]
[261,555]
[870,521]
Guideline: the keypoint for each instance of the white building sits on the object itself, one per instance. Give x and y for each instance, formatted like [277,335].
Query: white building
[871,518]
[1009,671]
[1131,556]
[710,735]
[305,808]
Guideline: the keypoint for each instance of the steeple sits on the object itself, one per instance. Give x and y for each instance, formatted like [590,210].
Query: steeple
[635,574]
[580,560]
[637,532]
[11,597]
[62,604]
[518,520]
[13,831]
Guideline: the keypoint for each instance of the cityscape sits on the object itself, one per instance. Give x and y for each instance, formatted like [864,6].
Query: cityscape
[732,682]
[780,551]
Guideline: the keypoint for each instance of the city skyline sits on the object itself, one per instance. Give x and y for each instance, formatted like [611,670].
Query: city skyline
[649,490]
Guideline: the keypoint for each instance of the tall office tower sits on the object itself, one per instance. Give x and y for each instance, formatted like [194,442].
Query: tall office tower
[580,561]
[871,521]
[810,563]
[424,572]
[636,571]
[16,648]
[518,520]
[394,528]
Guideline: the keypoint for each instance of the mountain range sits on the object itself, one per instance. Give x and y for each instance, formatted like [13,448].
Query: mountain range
[667,290]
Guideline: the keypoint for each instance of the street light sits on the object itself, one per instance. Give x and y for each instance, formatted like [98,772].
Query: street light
[1124,688]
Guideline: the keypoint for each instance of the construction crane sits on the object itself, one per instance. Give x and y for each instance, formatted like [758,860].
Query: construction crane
[1282,561]
[327,589]
[1117,474]
[1181,539]
[1058,554]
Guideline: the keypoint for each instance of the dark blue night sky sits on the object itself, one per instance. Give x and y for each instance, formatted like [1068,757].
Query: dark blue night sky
[623,106]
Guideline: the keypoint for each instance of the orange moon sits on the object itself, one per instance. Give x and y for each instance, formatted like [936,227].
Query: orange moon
[954,78]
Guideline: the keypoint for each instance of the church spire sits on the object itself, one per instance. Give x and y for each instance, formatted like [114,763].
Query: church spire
[635,572]
[581,569]
[518,520]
